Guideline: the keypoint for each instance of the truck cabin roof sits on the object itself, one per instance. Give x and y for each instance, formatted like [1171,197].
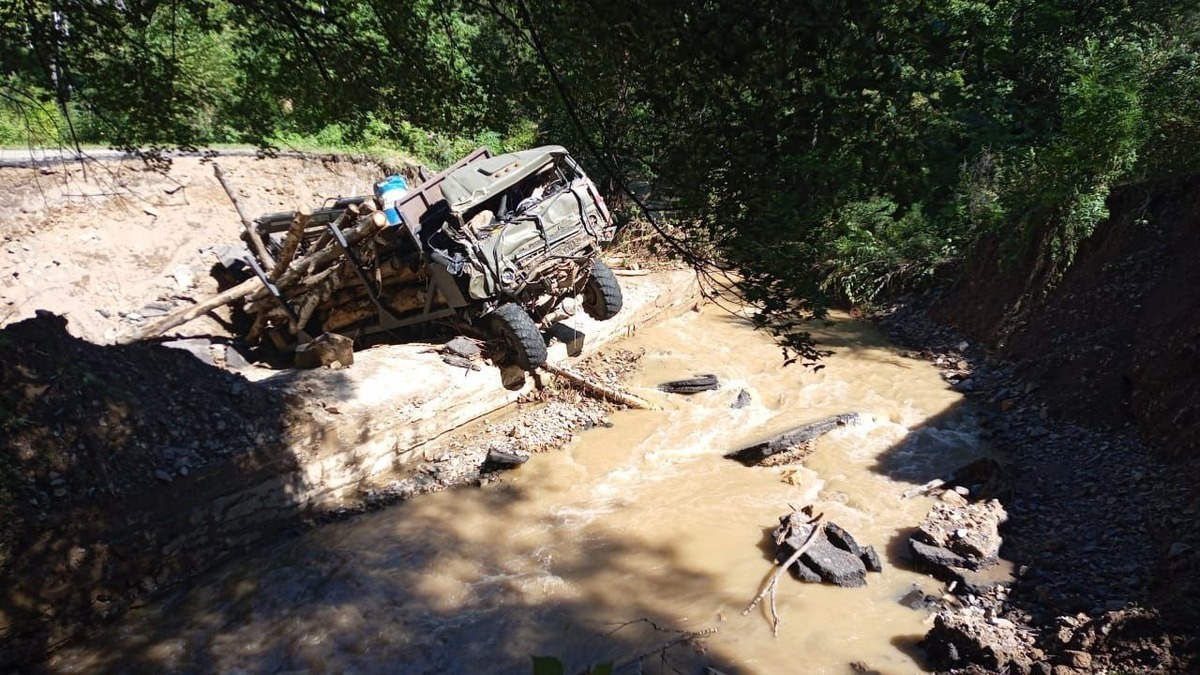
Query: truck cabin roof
[483,179]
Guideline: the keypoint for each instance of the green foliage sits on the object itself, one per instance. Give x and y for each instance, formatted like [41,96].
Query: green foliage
[29,116]
[878,250]
[429,147]
[548,665]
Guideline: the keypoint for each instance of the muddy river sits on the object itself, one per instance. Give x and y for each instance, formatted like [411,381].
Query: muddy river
[598,553]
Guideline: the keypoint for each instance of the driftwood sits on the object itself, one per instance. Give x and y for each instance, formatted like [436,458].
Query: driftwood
[772,582]
[600,390]
[251,233]
[752,455]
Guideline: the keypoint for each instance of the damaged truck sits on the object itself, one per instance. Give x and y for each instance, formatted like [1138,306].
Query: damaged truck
[501,246]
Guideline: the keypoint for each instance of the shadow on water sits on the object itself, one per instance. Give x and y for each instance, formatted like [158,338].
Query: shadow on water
[350,599]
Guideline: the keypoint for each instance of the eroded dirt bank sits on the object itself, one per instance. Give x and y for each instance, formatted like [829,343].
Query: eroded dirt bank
[1093,395]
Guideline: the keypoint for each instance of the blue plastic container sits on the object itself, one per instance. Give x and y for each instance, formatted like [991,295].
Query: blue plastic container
[389,191]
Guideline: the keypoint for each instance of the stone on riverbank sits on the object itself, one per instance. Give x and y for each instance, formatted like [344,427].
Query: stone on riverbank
[965,535]
[967,637]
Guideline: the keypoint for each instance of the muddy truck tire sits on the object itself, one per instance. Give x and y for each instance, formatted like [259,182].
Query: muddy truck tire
[518,336]
[602,297]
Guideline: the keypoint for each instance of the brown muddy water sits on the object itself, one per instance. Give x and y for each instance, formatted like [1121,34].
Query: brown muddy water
[567,555]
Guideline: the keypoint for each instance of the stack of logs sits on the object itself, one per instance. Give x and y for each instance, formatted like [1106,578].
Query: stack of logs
[323,281]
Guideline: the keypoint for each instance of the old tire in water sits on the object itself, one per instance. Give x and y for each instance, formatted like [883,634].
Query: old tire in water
[519,336]
[692,385]
[602,294]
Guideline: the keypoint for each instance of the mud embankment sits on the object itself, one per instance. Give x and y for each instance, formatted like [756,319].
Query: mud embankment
[1091,394]
[1118,340]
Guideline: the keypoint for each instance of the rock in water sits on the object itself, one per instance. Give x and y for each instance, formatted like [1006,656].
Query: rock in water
[692,385]
[842,539]
[743,400]
[758,453]
[971,532]
[960,542]
[835,565]
[871,559]
[498,460]
[834,556]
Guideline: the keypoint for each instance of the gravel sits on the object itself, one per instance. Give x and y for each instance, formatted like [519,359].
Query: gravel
[1094,515]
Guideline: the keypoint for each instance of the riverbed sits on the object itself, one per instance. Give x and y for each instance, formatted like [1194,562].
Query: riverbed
[604,550]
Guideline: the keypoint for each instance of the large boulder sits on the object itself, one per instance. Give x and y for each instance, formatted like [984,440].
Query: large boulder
[959,542]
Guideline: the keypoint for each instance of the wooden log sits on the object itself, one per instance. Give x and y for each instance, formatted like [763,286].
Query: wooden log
[298,291]
[752,455]
[316,295]
[256,329]
[253,288]
[601,390]
[321,259]
[256,241]
[291,242]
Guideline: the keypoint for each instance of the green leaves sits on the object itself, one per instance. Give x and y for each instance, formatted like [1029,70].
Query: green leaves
[548,665]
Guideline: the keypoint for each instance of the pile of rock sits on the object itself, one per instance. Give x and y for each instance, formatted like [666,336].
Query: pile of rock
[959,542]
[974,636]
[833,556]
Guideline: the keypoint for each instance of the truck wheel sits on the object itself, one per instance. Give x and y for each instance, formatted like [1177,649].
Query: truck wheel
[601,294]
[519,336]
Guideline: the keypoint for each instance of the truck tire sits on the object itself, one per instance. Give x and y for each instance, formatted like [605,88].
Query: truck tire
[519,336]
[601,294]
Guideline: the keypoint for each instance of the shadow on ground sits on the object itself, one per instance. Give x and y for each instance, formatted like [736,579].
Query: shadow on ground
[122,470]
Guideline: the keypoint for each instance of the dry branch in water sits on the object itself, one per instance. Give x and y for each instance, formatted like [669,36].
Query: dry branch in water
[773,581]
[596,389]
